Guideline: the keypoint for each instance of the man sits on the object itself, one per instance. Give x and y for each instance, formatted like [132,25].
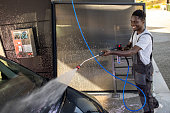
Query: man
[140,47]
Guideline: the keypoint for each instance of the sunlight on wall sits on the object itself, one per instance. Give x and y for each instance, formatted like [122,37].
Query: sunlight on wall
[78,82]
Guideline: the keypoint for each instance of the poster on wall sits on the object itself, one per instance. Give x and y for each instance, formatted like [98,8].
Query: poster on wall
[23,40]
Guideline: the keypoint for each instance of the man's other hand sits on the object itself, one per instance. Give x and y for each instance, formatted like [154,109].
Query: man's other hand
[106,52]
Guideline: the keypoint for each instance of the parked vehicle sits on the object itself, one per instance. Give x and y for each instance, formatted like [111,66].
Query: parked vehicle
[16,81]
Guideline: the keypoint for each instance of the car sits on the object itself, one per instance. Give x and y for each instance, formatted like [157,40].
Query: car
[23,91]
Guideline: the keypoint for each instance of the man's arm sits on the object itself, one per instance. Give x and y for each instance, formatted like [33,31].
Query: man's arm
[127,53]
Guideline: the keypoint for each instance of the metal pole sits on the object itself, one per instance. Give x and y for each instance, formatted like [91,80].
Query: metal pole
[114,95]
[54,47]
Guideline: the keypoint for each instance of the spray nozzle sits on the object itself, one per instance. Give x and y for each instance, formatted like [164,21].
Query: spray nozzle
[78,67]
[101,53]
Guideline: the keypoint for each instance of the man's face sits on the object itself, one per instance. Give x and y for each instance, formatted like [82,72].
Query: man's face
[137,23]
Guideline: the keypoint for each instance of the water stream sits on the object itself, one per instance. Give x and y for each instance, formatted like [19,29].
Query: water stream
[49,94]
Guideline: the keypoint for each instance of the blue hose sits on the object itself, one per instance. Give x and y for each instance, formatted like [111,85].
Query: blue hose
[107,70]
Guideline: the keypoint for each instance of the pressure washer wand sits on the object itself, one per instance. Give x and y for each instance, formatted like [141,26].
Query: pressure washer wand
[100,54]
[88,60]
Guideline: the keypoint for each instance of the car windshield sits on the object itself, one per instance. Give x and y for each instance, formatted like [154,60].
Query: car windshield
[16,80]
[10,69]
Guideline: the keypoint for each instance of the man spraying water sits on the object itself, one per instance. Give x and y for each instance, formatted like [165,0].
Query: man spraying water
[140,47]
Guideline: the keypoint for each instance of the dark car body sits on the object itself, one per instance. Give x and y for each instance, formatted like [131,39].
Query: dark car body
[16,82]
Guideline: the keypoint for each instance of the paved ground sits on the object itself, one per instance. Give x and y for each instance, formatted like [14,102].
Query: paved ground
[158,23]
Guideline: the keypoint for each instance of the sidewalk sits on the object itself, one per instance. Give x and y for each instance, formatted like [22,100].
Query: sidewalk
[158,24]
[161,91]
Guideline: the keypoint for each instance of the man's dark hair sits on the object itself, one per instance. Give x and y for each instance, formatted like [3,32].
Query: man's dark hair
[140,13]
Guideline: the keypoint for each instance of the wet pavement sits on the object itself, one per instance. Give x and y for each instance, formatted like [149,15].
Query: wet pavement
[159,26]
[116,105]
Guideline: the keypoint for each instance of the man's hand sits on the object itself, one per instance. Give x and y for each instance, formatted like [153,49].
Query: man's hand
[125,48]
[106,52]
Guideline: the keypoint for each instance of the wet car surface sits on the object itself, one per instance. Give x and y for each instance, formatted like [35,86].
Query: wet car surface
[18,82]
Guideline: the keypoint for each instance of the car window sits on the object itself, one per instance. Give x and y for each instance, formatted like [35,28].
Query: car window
[16,81]
[77,110]
[77,102]
[83,105]
[10,69]
[70,107]
[6,73]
